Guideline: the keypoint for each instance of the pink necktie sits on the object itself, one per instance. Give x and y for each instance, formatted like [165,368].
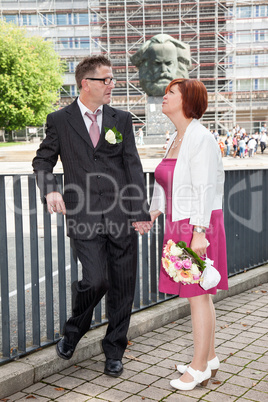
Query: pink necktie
[94,130]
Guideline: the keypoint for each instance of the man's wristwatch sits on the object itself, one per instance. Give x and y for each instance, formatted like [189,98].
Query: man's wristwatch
[199,230]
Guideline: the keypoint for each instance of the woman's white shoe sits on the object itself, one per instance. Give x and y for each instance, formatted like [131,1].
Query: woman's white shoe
[214,365]
[200,377]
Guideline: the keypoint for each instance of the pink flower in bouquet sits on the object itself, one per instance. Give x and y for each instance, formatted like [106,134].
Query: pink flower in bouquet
[178,264]
[173,258]
[187,263]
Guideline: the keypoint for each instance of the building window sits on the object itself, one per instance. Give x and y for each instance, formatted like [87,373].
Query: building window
[260,84]
[11,18]
[263,11]
[244,37]
[47,19]
[94,18]
[29,20]
[84,43]
[244,85]
[61,19]
[244,60]
[68,91]
[263,84]
[73,43]
[72,90]
[257,11]
[244,12]
[69,17]
[230,11]
[71,66]
[83,19]
[72,19]
[259,35]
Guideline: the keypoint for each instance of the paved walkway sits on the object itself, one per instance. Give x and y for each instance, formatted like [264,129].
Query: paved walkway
[150,360]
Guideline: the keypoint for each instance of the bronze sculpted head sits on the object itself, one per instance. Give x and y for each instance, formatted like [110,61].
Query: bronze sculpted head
[160,60]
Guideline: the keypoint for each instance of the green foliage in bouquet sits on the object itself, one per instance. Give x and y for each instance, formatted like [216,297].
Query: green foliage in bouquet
[199,262]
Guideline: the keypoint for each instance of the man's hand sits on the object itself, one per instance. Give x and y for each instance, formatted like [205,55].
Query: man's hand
[55,203]
[142,227]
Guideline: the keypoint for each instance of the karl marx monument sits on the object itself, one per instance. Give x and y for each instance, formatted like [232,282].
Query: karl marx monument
[159,60]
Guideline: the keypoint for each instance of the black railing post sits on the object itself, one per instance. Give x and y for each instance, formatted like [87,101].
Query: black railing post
[61,265]
[48,275]
[34,261]
[19,263]
[5,312]
[245,214]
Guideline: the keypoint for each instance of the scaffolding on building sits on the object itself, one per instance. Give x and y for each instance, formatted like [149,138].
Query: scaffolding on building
[119,27]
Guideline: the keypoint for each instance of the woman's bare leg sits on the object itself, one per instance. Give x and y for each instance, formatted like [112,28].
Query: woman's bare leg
[203,324]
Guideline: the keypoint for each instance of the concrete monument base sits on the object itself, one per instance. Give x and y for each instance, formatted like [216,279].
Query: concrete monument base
[157,122]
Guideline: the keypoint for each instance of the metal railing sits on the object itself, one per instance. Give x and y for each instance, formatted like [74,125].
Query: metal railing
[38,264]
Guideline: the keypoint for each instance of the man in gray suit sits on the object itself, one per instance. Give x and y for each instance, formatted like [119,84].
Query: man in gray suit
[104,196]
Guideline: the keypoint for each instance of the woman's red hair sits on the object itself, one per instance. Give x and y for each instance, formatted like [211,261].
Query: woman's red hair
[194,96]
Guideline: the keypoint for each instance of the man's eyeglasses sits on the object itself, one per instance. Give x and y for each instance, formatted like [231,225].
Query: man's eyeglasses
[106,81]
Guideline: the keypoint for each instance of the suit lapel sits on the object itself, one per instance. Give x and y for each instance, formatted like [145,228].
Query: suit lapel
[109,120]
[76,120]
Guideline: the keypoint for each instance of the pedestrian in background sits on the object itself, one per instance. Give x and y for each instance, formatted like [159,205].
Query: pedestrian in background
[251,146]
[263,139]
[140,137]
[228,145]
[242,146]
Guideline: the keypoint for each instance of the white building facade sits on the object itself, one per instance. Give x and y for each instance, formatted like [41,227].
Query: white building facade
[228,41]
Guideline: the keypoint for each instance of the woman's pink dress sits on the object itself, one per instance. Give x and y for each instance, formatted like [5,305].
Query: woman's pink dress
[183,231]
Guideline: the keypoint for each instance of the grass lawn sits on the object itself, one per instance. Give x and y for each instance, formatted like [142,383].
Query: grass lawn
[10,144]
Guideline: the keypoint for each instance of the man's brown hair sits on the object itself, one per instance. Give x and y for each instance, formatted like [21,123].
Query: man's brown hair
[88,66]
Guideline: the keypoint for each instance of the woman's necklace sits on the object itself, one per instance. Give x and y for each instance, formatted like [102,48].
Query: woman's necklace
[175,143]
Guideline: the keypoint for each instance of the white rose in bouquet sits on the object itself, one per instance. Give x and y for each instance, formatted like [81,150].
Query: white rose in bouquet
[194,269]
[176,251]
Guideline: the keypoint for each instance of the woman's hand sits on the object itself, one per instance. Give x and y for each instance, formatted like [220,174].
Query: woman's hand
[142,227]
[155,214]
[199,243]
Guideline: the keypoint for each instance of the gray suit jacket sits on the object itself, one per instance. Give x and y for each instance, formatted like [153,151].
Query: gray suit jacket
[102,184]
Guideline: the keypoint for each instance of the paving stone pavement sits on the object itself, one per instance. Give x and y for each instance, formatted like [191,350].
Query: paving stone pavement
[150,362]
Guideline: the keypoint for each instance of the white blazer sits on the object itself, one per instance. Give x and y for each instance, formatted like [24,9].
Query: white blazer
[198,179]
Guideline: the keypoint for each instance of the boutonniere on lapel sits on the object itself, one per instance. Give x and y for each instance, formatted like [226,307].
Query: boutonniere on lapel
[112,135]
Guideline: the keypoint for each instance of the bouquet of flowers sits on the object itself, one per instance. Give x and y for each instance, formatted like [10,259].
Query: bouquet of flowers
[181,263]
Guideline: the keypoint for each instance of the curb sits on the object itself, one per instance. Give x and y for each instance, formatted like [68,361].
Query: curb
[20,374]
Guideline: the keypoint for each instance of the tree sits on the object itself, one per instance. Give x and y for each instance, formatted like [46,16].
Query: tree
[30,76]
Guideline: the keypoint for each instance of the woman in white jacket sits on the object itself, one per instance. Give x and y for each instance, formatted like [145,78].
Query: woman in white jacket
[189,190]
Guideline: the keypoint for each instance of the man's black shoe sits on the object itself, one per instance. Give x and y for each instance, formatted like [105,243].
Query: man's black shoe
[64,350]
[113,367]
